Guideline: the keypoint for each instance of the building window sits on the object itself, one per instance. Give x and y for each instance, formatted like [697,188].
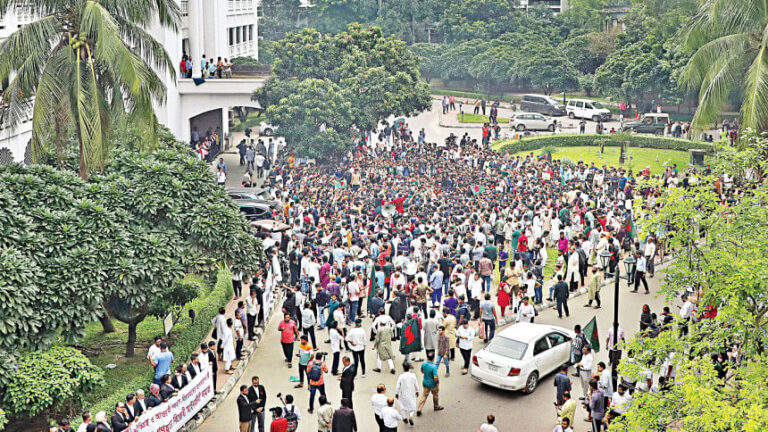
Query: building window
[231,36]
[239,34]
[250,32]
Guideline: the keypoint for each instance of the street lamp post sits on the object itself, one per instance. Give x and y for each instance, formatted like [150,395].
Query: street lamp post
[629,267]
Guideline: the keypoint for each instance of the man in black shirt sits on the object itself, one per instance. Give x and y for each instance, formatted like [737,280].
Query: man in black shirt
[257,395]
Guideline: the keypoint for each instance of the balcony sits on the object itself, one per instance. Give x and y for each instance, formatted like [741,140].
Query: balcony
[184,7]
[243,49]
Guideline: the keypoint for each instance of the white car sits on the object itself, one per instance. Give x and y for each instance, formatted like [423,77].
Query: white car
[520,355]
[532,121]
[587,109]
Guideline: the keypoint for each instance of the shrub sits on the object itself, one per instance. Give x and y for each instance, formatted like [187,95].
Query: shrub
[190,335]
[610,140]
[245,61]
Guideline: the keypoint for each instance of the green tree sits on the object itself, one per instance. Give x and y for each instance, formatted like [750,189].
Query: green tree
[730,54]
[333,16]
[85,61]
[278,18]
[548,70]
[327,89]
[430,59]
[48,381]
[589,51]
[723,262]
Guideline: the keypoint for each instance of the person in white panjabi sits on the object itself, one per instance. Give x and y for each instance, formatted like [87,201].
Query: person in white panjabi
[276,269]
[407,392]
[228,345]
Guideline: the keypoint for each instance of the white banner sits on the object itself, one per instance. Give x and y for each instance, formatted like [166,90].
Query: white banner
[173,415]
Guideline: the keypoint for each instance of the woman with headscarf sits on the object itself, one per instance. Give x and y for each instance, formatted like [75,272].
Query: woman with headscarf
[645,318]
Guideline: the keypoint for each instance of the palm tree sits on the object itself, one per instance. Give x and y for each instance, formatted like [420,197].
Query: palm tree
[730,53]
[85,62]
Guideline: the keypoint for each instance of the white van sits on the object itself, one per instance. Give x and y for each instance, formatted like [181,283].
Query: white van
[587,109]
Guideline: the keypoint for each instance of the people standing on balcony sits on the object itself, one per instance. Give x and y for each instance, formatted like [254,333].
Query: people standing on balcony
[219,68]
[203,66]
[189,67]
[227,68]
[183,66]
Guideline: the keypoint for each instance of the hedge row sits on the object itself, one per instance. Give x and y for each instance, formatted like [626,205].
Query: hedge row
[190,335]
[611,140]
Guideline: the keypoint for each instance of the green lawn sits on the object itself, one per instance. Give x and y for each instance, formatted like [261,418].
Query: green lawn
[476,118]
[641,157]
[252,120]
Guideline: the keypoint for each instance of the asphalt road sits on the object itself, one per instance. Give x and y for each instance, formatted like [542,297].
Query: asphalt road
[466,402]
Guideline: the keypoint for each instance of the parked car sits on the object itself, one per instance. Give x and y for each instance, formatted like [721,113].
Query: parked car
[254,210]
[258,195]
[542,104]
[587,109]
[532,121]
[651,123]
[520,355]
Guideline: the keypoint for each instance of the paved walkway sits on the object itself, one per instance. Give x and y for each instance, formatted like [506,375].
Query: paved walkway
[466,401]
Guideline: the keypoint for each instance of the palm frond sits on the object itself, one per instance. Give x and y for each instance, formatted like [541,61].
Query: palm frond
[716,85]
[706,56]
[88,115]
[144,12]
[754,106]
[34,38]
[130,71]
[51,100]
[17,97]
[146,47]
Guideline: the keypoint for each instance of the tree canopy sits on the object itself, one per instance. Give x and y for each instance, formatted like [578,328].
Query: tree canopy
[328,89]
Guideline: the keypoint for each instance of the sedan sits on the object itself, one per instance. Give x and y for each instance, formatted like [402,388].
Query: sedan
[520,355]
[532,121]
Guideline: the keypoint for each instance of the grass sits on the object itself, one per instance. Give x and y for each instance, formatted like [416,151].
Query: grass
[109,348]
[252,120]
[641,157]
[477,118]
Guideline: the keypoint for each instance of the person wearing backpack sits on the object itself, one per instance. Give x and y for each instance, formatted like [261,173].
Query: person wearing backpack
[292,414]
[315,370]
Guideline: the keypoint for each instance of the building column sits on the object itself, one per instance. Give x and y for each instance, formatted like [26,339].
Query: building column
[195,20]
[224,127]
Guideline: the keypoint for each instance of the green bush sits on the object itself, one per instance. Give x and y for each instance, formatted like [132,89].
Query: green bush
[611,140]
[190,335]
[245,61]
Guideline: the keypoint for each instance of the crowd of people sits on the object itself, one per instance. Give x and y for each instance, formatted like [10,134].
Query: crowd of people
[209,68]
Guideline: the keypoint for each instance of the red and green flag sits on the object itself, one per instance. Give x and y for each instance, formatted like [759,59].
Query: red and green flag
[339,184]
[410,339]
[478,189]
[590,332]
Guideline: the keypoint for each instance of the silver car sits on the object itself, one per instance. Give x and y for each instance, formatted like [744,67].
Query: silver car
[532,121]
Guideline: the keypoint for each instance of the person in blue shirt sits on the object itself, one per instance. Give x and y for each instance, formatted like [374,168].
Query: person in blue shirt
[162,362]
[430,382]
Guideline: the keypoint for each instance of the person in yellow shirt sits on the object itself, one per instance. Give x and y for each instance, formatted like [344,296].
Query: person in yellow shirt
[568,410]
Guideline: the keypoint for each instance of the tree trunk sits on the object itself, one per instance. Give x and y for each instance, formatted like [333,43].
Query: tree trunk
[106,322]
[130,345]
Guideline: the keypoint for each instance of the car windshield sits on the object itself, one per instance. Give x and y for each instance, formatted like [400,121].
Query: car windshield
[507,347]
[598,105]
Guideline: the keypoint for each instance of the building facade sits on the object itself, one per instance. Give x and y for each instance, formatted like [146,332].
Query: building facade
[214,28]
[556,6]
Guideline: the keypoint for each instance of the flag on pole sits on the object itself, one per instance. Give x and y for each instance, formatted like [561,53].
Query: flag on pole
[410,339]
[478,189]
[590,331]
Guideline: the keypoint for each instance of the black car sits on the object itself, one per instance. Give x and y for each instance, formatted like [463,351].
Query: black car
[254,210]
[542,104]
[258,195]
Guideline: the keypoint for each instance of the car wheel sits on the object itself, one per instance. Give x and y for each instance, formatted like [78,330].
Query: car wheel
[531,382]
[551,128]
[595,118]
[520,127]
[268,131]
[571,115]
[658,132]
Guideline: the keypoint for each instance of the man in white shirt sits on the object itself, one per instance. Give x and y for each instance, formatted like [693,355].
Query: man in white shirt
[407,392]
[379,401]
[252,313]
[390,416]
[356,338]
[585,369]
[686,311]
[86,421]
[620,402]
[605,382]
[488,425]
[154,349]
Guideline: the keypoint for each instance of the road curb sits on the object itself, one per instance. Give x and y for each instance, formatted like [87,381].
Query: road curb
[219,398]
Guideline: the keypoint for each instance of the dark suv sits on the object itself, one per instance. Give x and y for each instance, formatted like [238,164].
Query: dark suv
[542,104]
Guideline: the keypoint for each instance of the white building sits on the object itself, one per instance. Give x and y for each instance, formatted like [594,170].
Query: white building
[216,28]
[557,6]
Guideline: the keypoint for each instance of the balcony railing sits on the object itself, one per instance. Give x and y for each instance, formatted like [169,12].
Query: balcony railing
[240,5]
[242,49]
[184,7]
